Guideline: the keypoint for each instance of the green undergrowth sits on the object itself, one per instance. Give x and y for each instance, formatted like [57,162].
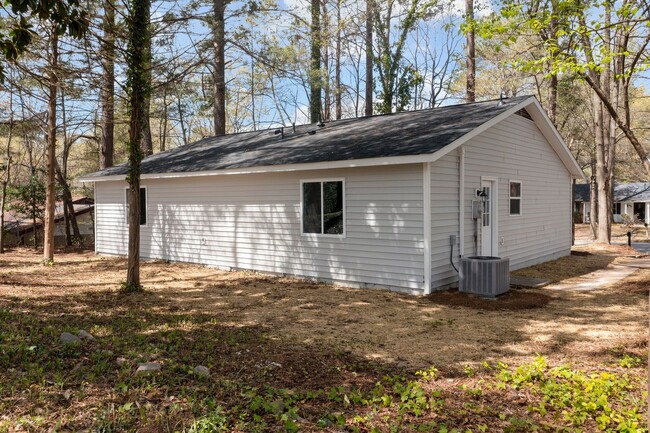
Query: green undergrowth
[263,384]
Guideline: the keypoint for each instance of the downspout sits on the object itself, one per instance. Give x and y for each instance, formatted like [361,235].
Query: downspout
[426,220]
[461,202]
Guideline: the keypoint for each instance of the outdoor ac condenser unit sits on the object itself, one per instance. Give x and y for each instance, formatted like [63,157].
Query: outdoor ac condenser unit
[484,275]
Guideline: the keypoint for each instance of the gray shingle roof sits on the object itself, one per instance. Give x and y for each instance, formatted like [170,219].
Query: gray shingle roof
[399,134]
[638,191]
[634,192]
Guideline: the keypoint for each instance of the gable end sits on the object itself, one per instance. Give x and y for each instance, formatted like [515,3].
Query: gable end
[523,113]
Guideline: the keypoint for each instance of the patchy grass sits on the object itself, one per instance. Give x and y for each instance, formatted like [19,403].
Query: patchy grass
[288,355]
[580,263]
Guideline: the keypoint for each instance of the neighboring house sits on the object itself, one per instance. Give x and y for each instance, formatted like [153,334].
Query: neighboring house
[630,199]
[376,201]
[19,229]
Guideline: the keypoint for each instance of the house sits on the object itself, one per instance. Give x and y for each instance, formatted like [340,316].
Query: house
[386,201]
[631,201]
[19,229]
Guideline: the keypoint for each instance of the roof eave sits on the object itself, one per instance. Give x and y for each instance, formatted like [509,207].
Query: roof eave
[366,162]
[538,115]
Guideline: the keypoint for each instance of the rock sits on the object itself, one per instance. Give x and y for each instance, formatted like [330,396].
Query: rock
[201,371]
[67,338]
[120,361]
[85,335]
[148,367]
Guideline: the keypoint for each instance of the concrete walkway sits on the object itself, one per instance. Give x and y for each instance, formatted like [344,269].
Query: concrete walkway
[596,280]
[610,275]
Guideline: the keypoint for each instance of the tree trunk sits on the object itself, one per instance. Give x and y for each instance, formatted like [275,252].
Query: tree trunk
[219,66]
[369,57]
[181,121]
[7,175]
[107,92]
[552,83]
[621,123]
[471,51]
[68,207]
[325,43]
[315,74]
[138,91]
[146,142]
[337,65]
[602,235]
[66,225]
[50,194]
[163,132]
[593,203]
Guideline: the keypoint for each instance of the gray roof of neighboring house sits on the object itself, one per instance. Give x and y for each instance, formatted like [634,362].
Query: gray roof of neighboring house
[23,223]
[398,134]
[638,191]
[634,192]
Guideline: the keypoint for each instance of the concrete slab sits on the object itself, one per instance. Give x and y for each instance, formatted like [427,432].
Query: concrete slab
[527,282]
[635,262]
[596,280]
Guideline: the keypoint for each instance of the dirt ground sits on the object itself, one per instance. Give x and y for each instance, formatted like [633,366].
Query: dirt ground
[447,329]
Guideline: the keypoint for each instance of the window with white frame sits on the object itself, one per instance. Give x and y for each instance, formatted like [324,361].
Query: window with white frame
[515,197]
[143,205]
[323,207]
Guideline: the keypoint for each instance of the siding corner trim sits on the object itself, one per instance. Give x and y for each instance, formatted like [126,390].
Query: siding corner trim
[426,220]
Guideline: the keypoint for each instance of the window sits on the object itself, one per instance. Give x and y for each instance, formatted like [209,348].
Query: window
[322,207]
[616,209]
[143,205]
[515,197]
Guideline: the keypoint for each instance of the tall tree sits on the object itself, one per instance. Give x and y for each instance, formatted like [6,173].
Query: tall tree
[606,45]
[219,66]
[337,63]
[50,196]
[68,15]
[107,91]
[315,73]
[138,90]
[370,14]
[471,51]
[396,78]
[6,169]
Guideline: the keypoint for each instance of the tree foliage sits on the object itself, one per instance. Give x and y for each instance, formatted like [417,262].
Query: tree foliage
[18,31]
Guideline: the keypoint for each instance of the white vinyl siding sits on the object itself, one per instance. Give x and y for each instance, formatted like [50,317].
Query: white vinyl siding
[253,222]
[516,149]
[444,219]
[111,229]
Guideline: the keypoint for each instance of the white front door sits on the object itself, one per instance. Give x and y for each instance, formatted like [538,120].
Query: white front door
[488,237]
